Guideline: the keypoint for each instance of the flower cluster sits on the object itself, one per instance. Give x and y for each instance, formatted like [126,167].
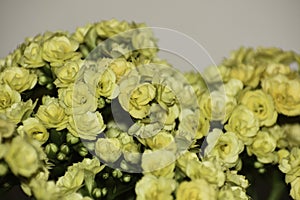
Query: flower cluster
[96,114]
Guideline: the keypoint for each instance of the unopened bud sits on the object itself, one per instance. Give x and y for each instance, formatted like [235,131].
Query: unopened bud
[61,156]
[71,138]
[65,149]
[97,192]
[127,178]
[104,191]
[51,150]
[117,173]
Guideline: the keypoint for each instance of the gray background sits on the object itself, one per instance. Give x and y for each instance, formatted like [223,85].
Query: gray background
[219,26]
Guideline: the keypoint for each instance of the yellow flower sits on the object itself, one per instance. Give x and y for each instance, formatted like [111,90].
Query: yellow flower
[81,32]
[247,73]
[233,87]
[225,146]
[232,193]
[194,125]
[166,116]
[33,128]
[284,91]
[273,69]
[65,97]
[108,149]
[32,56]
[185,158]
[86,126]
[197,189]
[243,123]
[107,86]
[233,178]
[295,188]
[291,134]
[71,181]
[154,188]
[137,101]
[217,105]
[66,74]
[209,169]
[59,48]
[22,157]
[121,67]
[261,104]
[84,99]
[162,140]
[263,147]
[289,160]
[45,190]
[18,78]
[106,29]
[159,163]
[6,129]
[51,114]
[165,96]
[20,111]
[197,82]
[131,152]
[143,41]
[8,97]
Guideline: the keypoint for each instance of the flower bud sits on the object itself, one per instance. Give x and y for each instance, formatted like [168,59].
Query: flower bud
[50,86]
[104,191]
[127,178]
[83,151]
[51,149]
[61,156]
[97,192]
[71,139]
[105,175]
[43,80]
[117,173]
[65,149]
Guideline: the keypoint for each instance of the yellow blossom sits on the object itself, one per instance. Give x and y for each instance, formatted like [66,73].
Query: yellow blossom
[198,189]
[225,146]
[243,123]
[18,78]
[108,149]
[137,101]
[151,187]
[261,104]
[159,162]
[66,74]
[295,188]
[284,91]
[20,111]
[263,147]
[22,157]
[210,170]
[58,48]
[162,140]
[33,128]
[7,129]
[8,97]
[106,29]
[51,114]
[32,56]
[86,126]
[121,67]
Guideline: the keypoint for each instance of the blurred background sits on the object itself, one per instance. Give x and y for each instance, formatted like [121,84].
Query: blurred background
[219,26]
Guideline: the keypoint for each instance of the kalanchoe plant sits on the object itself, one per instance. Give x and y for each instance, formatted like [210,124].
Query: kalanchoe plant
[96,114]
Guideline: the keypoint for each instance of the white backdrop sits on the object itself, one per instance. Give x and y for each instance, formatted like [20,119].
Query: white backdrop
[219,26]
